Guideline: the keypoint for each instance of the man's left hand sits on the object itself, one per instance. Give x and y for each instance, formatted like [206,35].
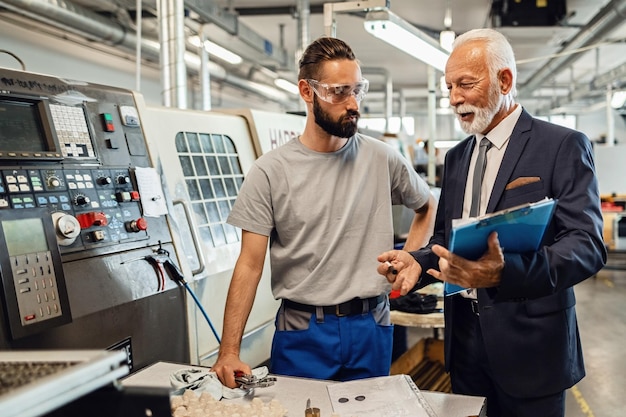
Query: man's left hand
[482,273]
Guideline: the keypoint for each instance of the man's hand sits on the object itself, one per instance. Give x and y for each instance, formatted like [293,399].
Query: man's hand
[226,367]
[483,273]
[401,270]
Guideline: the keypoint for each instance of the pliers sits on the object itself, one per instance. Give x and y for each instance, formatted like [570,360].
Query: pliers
[247,381]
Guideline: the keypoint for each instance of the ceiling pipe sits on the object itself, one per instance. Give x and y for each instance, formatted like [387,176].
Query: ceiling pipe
[388,81]
[303,11]
[602,23]
[304,34]
[85,23]
[210,12]
[204,74]
[172,45]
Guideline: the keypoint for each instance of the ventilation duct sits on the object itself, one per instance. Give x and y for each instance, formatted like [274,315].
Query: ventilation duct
[610,17]
[85,23]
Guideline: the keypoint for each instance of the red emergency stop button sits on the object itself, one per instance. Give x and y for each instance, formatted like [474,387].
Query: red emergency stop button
[135,226]
[86,220]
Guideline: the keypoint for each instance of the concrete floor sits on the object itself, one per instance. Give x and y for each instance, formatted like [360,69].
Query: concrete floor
[601,311]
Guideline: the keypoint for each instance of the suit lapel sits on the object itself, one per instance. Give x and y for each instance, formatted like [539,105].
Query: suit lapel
[517,142]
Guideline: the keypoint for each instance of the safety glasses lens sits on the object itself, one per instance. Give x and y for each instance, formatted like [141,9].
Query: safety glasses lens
[339,93]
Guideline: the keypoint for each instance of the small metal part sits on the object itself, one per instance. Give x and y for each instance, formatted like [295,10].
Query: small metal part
[246,381]
[311,411]
[139,258]
[391,269]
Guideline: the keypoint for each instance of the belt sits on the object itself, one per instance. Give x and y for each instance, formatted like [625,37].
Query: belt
[349,308]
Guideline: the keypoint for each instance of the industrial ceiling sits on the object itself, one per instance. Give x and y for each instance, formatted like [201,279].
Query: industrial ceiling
[565,65]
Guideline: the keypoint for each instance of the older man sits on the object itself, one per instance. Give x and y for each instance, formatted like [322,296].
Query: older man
[512,336]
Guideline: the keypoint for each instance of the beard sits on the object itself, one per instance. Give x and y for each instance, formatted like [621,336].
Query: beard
[343,127]
[482,115]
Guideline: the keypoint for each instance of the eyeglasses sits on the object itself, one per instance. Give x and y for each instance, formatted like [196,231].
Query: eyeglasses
[339,93]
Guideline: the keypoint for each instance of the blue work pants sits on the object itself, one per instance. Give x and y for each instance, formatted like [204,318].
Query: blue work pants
[331,347]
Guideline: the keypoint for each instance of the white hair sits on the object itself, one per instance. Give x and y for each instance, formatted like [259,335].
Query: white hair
[499,52]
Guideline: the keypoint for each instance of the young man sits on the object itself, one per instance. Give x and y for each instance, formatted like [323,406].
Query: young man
[512,337]
[323,202]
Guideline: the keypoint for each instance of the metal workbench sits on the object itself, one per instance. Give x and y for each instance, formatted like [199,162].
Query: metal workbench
[294,392]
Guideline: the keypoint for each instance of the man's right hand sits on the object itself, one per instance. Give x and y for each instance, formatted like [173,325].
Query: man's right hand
[401,270]
[226,366]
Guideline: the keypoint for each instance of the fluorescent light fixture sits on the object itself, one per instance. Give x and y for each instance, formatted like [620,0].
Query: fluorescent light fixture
[618,99]
[215,50]
[397,32]
[286,85]
[446,37]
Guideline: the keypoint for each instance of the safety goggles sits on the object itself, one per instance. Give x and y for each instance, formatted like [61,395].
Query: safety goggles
[339,93]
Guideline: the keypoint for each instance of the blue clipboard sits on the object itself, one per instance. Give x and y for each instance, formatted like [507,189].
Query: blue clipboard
[520,229]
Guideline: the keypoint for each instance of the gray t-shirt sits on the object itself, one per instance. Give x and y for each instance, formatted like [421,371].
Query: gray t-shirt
[328,216]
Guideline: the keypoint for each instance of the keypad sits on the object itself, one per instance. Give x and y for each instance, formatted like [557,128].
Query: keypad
[35,287]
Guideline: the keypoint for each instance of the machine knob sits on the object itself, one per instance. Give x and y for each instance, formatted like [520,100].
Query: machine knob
[66,227]
[104,180]
[135,226]
[54,182]
[123,179]
[81,200]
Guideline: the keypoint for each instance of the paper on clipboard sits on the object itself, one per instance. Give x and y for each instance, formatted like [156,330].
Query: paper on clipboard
[520,229]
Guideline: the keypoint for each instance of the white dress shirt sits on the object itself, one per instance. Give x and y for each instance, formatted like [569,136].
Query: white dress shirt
[499,137]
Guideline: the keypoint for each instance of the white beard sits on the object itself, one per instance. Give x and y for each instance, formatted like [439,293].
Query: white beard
[482,115]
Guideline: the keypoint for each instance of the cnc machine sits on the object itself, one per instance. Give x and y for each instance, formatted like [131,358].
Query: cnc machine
[74,234]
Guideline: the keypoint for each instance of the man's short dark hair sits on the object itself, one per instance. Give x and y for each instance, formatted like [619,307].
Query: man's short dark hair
[322,49]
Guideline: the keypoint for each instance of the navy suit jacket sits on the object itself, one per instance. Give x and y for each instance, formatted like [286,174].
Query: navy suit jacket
[528,322]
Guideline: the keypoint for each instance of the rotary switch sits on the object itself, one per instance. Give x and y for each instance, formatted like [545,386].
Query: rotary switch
[122,179]
[81,200]
[54,181]
[66,227]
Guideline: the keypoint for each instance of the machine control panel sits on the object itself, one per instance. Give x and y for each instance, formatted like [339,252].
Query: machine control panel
[105,202]
[72,149]
[69,151]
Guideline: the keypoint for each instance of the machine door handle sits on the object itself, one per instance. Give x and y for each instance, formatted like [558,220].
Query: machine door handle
[194,235]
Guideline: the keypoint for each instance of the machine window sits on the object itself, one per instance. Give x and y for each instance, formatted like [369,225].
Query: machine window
[218,187]
[211,209]
[181,143]
[219,238]
[231,187]
[193,190]
[225,165]
[207,145]
[213,168]
[214,177]
[218,143]
[194,142]
[234,163]
[185,163]
[200,166]
[205,187]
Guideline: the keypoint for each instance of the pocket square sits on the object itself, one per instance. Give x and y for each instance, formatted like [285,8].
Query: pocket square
[518,182]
